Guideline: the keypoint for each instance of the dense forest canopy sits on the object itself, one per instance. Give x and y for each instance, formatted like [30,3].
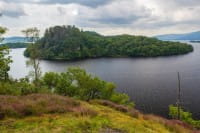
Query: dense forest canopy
[69,42]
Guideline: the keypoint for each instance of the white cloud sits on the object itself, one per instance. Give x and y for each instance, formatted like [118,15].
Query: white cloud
[147,17]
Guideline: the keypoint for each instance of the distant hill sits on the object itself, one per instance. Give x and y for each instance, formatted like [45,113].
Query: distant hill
[15,45]
[186,36]
[14,39]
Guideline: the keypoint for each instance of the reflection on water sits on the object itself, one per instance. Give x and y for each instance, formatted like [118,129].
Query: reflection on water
[150,82]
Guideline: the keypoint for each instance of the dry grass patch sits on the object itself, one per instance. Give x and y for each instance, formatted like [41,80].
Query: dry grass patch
[173,125]
[131,111]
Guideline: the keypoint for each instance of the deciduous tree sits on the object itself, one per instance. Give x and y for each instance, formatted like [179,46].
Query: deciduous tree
[5,60]
[32,35]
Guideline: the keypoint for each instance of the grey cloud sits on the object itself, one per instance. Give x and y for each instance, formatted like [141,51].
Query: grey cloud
[115,14]
[116,20]
[12,13]
[90,3]
[12,10]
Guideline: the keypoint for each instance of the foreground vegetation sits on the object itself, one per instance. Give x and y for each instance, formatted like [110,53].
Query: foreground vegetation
[73,83]
[52,113]
[69,43]
[184,116]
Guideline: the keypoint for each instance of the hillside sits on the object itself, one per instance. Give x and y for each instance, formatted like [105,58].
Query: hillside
[15,45]
[14,39]
[186,36]
[70,43]
[52,113]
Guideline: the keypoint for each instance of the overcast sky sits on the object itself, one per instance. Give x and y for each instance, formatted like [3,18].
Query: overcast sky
[108,17]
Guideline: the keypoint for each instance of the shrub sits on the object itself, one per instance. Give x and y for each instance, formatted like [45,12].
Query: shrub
[184,116]
[121,98]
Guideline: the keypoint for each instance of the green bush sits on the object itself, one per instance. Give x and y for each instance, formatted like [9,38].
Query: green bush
[184,116]
[78,83]
[20,87]
[121,98]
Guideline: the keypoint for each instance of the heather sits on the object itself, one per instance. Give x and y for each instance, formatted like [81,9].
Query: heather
[96,117]
[39,104]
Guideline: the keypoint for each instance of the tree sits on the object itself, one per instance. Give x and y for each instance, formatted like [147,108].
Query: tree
[5,60]
[51,79]
[90,87]
[32,35]
[2,31]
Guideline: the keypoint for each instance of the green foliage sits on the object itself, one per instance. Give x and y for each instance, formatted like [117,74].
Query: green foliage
[121,98]
[5,60]
[19,87]
[75,82]
[2,31]
[69,43]
[64,85]
[78,83]
[185,116]
[32,35]
[90,87]
[51,79]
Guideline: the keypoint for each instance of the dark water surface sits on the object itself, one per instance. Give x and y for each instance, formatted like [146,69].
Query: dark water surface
[150,82]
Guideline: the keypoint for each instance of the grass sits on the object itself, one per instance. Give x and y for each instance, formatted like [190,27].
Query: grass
[101,117]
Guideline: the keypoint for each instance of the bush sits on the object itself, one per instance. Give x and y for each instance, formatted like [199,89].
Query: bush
[121,98]
[184,116]
[20,87]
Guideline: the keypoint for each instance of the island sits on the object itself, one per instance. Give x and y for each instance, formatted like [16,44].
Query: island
[71,43]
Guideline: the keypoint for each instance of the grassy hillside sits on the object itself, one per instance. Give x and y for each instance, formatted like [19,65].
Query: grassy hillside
[44,113]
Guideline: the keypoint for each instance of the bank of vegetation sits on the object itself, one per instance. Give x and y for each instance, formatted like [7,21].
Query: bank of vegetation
[44,113]
[70,43]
